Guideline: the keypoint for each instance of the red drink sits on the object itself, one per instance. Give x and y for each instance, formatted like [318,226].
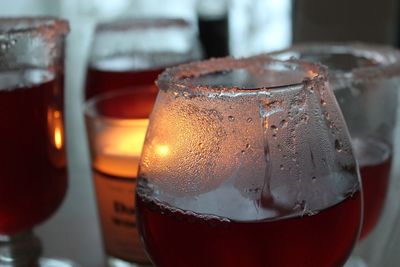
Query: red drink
[108,75]
[374,157]
[33,177]
[178,238]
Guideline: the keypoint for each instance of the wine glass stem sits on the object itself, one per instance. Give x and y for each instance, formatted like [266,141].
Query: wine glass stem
[20,250]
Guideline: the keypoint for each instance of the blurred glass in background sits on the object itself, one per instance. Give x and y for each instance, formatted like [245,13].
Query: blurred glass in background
[342,20]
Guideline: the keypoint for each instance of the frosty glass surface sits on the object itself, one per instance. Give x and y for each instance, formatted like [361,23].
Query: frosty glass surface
[228,135]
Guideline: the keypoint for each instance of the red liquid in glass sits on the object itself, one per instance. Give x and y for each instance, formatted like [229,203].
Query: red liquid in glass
[177,238]
[33,177]
[374,158]
[108,76]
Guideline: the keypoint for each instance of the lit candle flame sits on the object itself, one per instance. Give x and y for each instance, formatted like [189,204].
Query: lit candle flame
[119,146]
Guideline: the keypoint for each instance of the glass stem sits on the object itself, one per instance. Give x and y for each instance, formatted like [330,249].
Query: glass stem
[20,250]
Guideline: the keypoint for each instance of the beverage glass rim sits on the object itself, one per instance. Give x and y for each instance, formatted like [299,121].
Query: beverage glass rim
[179,78]
[29,24]
[139,24]
[387,59]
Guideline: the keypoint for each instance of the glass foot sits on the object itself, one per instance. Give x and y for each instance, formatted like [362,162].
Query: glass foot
[115,262]
[355,262]
[56,262]
[24,250]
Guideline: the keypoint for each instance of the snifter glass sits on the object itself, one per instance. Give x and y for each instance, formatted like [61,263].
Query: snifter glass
[33,173]
[131,53]
[247,162]
[365,80]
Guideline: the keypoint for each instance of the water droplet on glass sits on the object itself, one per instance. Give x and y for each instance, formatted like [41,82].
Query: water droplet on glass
[281,167]
[249,119]
[314,178]
[304,118]
[186,94]
[247,146]
[338,145]
[283,123]
[323,103]
[231,118]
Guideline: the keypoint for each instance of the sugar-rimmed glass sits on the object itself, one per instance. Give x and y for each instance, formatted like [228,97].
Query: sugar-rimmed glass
[365,81]
[33,178]
[240,167]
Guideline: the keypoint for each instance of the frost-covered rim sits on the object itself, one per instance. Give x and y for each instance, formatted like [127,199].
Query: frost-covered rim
[21,25]
[386,57]
[131,24]
[179,78]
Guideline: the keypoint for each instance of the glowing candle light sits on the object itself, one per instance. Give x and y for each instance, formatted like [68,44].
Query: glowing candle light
[119,147]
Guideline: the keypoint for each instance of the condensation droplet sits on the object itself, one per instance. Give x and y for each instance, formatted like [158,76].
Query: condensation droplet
[186,94]
[314,178]
[304,118]
[283,123]
[249,119]
[338,145]
[247,146]
[323,103]
[281,167]
[231,118]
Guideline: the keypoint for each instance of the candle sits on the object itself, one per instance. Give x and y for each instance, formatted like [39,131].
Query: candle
[116,146]
[119,146]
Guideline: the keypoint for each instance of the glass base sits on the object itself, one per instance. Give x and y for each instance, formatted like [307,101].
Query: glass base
[19,250]
[24,250]
[56,262]
[115,262]
[355,262]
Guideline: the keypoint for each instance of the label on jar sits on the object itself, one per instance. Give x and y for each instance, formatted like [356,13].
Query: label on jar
[116,207]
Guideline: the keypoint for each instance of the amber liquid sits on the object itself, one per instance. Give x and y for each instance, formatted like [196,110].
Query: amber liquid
[374,157]
[177,238]
[105,77]
[33,177]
